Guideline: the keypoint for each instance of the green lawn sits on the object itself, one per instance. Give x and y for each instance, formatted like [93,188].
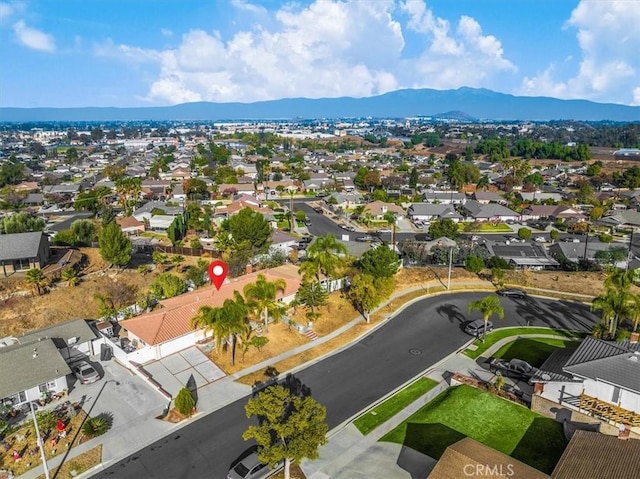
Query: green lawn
[392,406]
[533,350]
[466,411]
[485,228]
[499,334]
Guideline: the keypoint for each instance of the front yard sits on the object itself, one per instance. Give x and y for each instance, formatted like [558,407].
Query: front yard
[533,350]
[466,411]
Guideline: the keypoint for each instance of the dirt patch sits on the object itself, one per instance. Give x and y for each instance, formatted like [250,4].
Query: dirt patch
[174,416]
[590,284]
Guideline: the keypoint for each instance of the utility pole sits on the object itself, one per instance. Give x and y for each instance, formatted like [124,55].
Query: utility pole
[450,263]
[630,252]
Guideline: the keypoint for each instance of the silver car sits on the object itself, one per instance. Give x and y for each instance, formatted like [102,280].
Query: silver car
[85,373]
[251,468]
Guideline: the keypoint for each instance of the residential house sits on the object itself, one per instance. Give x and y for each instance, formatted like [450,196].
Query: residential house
[578,251]
[282,242]
[622,220]
[530,196]
[65,189]
[599,378]
[156,189]
[489,212]
[37,362]
[131,226]
[23,251]
[522,255]
[231,189]
[552,212]
[146,211]
[486,197]
[377,209]
[169,329]
[592,455]
[432,211]
[344,201]
[470,458]
[444,197]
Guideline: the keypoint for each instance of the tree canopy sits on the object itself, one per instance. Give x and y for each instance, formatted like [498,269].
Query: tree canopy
[445,227]
[251,228]
[379,262]
[291,426]
[115,247]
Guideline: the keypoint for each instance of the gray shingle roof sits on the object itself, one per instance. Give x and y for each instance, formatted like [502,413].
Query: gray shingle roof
[20,245]
[21,370]
[552,368]
[606,361]
[491,210]
[61,333]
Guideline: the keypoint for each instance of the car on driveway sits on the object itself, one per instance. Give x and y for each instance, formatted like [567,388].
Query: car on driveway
[85,373]
[513,368]
[512,292]
[251,468]
[477,328]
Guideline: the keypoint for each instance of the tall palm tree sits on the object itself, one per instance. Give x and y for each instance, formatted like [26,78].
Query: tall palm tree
[487,306]
[262,298]
[323,258]
[620,280]
[615,305]
[37,280]
[227,322]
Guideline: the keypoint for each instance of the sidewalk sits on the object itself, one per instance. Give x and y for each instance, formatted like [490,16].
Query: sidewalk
[349,454]
[121,441]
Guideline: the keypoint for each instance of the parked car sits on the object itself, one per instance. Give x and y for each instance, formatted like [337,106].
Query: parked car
[541,239]
[307,222]
[251,468]
[512,368]
[85,373]
[347,227]
[477,328]
[512,292]
[571,240]
[318,210]
[306,239]
[384,230]
[365,238]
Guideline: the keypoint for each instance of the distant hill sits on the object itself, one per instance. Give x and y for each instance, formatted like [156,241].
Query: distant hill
[475,103]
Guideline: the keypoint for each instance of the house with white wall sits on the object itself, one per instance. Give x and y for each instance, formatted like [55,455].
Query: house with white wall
[599,378]
[168,329]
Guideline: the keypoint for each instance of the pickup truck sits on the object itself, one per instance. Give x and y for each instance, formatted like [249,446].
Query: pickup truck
[512,368]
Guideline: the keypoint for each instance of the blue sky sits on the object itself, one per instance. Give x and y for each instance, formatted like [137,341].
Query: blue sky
[67,53]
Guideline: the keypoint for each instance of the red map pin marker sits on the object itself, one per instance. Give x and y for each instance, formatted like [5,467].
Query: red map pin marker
[218,272]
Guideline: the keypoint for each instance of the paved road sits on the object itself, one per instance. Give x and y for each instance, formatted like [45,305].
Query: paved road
[346,382]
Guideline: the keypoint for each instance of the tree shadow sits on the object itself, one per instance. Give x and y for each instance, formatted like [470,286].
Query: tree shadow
[431,439]
[541,445]
[452,312]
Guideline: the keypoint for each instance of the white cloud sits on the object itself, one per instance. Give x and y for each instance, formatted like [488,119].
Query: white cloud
[166,32]
[6,10]
[328,48]
[125,53]
[609,71]
[33,38]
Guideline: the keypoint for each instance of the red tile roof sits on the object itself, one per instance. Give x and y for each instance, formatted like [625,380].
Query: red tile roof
[174,318]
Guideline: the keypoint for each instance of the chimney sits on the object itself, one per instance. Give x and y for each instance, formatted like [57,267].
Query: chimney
[249,269]
[633,339]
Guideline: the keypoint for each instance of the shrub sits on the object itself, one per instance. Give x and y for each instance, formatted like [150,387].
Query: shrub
[606,238]
[473,264]
[524,233]
[184,402]
[95,426]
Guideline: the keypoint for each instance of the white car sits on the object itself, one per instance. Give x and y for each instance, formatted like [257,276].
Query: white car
[541,239]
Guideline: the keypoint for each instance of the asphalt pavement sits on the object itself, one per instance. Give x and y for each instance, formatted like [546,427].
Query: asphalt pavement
[346,381]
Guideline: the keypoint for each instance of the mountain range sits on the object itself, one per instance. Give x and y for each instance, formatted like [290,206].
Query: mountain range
[475,103]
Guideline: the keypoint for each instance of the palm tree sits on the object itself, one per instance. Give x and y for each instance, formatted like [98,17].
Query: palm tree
[226,322]
[159,258]
[262,298]
[37,280]
[620,280]
[70,275]
[177,260]
[615,305]
[323,258]
[487,306]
